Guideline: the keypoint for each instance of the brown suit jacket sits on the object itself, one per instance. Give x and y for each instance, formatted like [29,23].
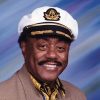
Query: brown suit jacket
[20,87]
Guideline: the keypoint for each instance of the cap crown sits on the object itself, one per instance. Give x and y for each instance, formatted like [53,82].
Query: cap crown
[48,15]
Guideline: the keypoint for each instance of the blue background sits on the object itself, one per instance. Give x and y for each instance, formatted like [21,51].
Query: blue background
[84,60]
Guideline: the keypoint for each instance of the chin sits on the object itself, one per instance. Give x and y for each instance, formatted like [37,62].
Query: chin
[49,78]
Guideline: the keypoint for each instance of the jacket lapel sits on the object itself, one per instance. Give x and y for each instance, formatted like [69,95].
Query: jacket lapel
[29,90]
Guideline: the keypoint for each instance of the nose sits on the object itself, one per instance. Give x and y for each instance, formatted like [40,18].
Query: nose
[51,53]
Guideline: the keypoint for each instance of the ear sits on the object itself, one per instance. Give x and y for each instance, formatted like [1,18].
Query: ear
[23,48]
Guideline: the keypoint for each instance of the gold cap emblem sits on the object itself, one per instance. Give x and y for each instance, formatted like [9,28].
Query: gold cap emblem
[52,15]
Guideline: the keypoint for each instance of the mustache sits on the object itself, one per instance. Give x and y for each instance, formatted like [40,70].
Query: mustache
[58,63]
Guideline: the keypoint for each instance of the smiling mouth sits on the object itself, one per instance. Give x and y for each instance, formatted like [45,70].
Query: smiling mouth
[50,63]
[50,66]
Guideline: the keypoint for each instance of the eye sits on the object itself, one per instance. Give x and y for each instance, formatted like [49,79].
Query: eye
[42,47]
[61,48]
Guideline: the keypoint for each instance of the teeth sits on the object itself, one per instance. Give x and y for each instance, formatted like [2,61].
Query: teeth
[50,67]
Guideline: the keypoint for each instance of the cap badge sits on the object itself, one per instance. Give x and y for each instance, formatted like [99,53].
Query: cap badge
[52,15]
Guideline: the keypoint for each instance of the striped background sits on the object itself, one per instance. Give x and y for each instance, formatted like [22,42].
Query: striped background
[84,62]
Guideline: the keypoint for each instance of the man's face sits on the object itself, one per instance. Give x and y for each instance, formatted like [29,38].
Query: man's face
[45,58]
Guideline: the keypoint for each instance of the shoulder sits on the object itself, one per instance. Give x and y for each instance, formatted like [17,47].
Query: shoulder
[8,82]
[8,87]
[73,91]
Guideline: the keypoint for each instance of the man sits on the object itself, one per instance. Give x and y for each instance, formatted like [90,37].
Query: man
[45,37]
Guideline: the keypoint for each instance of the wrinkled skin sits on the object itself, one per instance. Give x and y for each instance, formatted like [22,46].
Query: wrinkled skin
[45,58]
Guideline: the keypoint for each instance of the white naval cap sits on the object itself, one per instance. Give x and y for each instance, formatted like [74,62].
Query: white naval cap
[49,20]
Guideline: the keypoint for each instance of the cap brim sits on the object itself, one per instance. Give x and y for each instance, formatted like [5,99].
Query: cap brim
[47,29]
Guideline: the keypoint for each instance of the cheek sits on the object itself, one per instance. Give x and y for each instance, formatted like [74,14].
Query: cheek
[31,60]
[39,54]
[63,57]
[29,56]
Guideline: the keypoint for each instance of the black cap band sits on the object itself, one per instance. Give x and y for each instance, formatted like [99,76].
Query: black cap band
[46,29]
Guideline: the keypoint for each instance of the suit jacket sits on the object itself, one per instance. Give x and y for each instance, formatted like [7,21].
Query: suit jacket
[20,87]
